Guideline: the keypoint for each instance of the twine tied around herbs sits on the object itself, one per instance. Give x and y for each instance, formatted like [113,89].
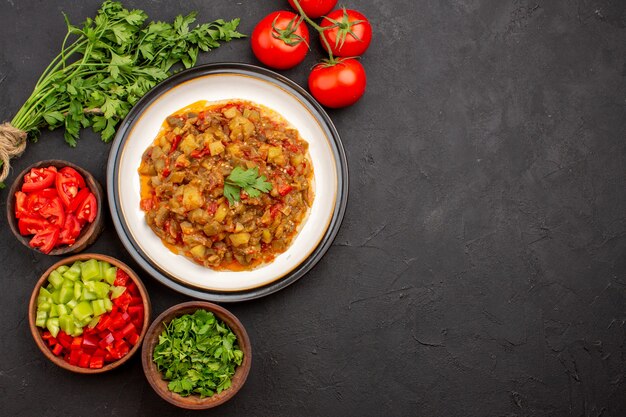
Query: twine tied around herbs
[12,144]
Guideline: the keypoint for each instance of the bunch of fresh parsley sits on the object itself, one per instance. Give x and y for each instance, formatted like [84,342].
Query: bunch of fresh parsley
[106,65]
[247,180]
[198,354]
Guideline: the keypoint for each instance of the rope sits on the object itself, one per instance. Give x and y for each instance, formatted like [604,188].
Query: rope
[12,144]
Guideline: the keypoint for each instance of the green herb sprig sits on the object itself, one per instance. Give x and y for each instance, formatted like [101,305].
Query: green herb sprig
[247,180]
[198,354]
[106,65]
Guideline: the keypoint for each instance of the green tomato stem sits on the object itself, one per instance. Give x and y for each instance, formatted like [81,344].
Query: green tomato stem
[319,29]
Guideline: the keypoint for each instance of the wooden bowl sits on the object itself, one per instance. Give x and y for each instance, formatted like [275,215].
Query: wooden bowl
[88,234]
[37,331]
[194,402]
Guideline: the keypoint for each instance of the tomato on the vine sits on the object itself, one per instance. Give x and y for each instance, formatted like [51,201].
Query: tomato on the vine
[338,85]
[348,33]
[280,40]
[315,8]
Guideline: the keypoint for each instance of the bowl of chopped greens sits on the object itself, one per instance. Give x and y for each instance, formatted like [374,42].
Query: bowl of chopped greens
[196,355]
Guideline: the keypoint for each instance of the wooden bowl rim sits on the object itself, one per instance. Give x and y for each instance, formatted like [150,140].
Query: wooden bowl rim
[194,402]
[88,234]
[36,331]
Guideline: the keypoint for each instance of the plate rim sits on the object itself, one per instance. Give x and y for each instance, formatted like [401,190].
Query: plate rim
[336,146]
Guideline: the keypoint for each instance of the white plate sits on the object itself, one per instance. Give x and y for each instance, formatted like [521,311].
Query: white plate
[216,83]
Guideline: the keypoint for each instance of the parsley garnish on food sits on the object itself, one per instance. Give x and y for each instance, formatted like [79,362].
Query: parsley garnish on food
[198,354]
[247,180]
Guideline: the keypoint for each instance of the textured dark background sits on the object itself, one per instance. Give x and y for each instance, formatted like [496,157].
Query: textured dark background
[481,266]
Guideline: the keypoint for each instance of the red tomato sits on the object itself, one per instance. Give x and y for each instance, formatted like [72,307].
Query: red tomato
[70,231]
[37,200]
[54,212]
[68,182]
[31,225]
[88,209]
[78,200]
[38,179]
[315,8]
[338,85]
[20,205]
[45,239]
[280,40]
[348,33]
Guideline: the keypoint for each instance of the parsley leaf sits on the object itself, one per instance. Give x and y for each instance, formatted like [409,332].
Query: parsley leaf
[197,354]
[247,180]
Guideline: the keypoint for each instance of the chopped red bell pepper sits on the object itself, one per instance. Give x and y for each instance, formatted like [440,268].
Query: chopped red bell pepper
[64,339]
[77,343]
[104,323]
[133,339]
[128,329]
[90,341]
[58,349]
[107,340]
[175,143]
[121,278]
[75,356]
[83,362]
[96,362]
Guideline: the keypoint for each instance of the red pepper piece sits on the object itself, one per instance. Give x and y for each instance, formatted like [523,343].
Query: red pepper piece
[132,288]
[58,349]
[133,339]
[77,343]
[121,278]
[175,143]
[275,210]
[123,301]
[284,189]
[90,342]
[74,357]
[96,362]
[100,352]
[52,341]
[83,362]
[117,322]
[104,323]
[64,339]
[138,323]
[135,310]
[107,340]
[128,330]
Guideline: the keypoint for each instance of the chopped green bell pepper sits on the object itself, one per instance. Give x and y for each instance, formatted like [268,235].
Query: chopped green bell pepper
[55,279]
[90,270]
[53,326]
[82,310]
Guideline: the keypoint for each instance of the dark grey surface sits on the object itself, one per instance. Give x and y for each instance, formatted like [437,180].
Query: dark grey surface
[480,269]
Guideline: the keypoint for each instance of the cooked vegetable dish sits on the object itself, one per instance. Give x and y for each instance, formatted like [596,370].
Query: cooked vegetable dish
[226,184]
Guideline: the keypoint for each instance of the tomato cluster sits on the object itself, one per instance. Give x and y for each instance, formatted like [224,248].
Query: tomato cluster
[281,41]
[54,205]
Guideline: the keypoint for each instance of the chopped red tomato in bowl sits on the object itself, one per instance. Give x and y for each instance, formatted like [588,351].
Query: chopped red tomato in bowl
[52,206]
